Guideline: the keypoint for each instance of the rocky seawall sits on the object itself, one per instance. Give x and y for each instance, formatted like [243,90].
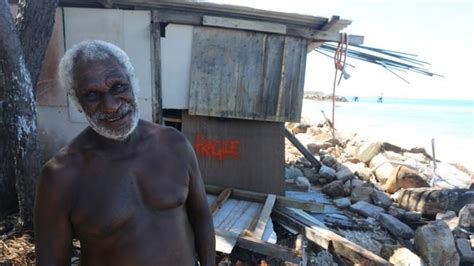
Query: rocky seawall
[399,203]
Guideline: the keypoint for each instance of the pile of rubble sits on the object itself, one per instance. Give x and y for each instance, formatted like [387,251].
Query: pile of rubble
[425,206]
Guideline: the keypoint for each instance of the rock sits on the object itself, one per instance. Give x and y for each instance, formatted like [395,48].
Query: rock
[419,157]
[366,209]
[445,215]
[327,172]
[311,174]
[466,216]
[393,156]
[351,184]
[381,199]
[344,174]
[404,257]
[383,167]
[303,183]
[435,244]
[292,172]
[342,203]
[471,239]
[464,249]
[395,226]
[322,181]
[393,148]
[314,148]
[449,177]
[387,250]
[396,212]
[364,173]
[367,151]
[361,194]
[300,128]
[430,201]
[404,177]
[410,216]
[334,189]
[329,161]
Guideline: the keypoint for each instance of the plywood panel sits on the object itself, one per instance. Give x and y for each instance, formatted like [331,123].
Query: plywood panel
[176,66]
[130,30]
[246,75]
[238,153]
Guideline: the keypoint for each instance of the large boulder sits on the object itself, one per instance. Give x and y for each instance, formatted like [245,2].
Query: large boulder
[449,177]
[367,151]
[404,257]
[404,177]
[344,173]
[364,173]
[334,189]
[466,216]
[366,209]
[383,167]
[311,174]
[435,244]
[395,226]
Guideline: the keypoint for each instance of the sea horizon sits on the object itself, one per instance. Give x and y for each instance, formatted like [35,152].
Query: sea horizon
[406,122]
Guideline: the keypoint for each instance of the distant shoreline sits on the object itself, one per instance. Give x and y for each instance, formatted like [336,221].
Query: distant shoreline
[320,96]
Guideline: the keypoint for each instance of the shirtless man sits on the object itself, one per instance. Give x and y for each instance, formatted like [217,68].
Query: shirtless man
[128,189]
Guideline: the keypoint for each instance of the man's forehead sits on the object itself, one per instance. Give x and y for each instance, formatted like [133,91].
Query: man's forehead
[93,71]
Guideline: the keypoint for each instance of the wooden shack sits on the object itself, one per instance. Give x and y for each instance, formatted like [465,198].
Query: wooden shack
[228,77]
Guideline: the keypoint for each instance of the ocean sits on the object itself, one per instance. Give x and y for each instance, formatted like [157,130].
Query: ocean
[407,123]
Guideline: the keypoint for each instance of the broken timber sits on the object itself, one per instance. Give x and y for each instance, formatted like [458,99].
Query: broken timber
[329,240]
[261,197]
[314,162]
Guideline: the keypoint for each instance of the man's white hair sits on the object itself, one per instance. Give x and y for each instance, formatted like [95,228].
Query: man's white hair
[92,50]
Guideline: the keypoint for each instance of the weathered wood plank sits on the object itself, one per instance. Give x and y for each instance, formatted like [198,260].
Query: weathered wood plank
[302,149]
[243,24]
[330,240]
[225,240]
[275,251]
[246,75]
[156,98]
[264,216]
[223,196]
[261,197]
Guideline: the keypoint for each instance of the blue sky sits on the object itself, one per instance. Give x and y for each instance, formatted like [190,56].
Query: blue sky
[440,32]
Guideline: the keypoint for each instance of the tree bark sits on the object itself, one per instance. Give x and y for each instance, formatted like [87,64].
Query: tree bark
[17,61]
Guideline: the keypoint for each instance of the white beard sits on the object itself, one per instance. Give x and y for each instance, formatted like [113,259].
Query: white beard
[119,134]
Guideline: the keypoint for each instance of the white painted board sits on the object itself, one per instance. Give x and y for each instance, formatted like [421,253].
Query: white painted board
[176,49]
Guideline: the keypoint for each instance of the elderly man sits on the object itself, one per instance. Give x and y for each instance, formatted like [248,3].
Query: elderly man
[128,189]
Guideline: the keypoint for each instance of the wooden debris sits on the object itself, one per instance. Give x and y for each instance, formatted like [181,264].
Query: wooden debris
[264,216]
[316,164]
[220,200]
[329,240]
[261,197]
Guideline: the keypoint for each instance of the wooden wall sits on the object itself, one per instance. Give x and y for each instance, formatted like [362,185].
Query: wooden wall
[239,154]
[247,75]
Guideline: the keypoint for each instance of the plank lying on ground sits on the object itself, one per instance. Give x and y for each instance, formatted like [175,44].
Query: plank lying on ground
[217,203]
[227,241]
[261,197]
[314,162]
[272,250]
[329,240]
[264,216]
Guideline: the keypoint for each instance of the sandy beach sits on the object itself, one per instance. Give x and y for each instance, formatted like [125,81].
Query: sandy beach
[450,145]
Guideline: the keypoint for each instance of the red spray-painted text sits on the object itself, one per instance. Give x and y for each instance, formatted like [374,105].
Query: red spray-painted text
[217,149]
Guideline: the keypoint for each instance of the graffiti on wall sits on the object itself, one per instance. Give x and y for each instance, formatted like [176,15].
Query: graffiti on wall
[217,149]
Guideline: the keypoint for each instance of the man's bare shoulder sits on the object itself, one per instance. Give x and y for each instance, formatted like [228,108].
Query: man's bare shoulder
[164,134]
[61,169]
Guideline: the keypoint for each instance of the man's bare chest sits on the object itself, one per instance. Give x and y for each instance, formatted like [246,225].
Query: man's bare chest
[115,193]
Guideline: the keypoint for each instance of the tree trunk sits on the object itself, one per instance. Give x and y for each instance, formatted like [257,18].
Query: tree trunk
[17,61]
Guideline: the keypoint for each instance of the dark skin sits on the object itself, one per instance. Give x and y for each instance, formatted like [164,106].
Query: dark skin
[140,201]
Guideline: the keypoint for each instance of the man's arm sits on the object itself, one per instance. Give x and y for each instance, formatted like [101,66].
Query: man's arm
[199,213]
[53,233]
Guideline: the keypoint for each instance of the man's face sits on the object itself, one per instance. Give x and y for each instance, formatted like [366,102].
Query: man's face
[107,98]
